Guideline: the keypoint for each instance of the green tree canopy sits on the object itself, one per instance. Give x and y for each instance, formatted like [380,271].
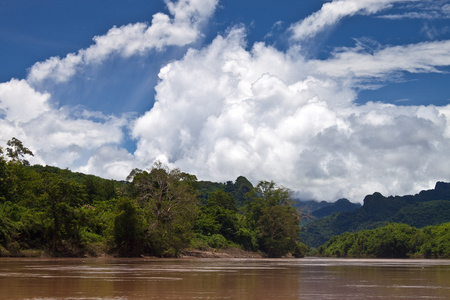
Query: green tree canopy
[275,218]
[62,198]
[170,204]
[16,151]
[128,229]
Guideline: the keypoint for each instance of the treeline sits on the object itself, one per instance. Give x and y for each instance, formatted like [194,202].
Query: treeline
[156,212]
[391,241]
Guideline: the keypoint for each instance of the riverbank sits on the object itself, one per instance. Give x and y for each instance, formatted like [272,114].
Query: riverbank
[190,253]
[220,253]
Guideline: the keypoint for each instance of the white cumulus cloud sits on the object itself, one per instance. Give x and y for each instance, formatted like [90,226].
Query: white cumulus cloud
[179,29]
[57,136]
[225,111]
[19,102]
[110,162]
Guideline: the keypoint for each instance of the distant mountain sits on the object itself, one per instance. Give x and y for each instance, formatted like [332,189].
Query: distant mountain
[429,207]
[340,205]
[310,206]
[313,210]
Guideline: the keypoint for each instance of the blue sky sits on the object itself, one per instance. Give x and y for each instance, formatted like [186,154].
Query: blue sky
[329,98]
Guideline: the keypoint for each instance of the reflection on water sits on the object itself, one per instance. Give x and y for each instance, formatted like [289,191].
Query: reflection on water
[223,279]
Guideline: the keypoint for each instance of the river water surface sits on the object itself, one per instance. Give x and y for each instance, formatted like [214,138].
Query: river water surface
[224,279]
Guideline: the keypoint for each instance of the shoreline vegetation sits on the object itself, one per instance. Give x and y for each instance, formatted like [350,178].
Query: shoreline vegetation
[188,253]
[393,241]
[160,212]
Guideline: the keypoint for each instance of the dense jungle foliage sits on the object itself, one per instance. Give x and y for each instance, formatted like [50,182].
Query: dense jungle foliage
[157,212]
[391,241]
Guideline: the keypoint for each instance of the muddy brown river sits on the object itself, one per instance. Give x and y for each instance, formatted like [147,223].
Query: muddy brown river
[257,279]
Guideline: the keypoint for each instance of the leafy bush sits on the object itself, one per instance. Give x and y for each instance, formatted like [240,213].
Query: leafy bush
[217,241]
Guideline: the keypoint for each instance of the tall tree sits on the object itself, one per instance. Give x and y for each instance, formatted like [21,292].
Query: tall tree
[16,151]
[62,197]
[128,228]
[170,204]
[275,218]
[3,177]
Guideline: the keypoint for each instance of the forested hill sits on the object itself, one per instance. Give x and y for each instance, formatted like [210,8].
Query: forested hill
[429,207]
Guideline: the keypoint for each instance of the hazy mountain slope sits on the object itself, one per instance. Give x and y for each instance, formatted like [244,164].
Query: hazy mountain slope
[429,207]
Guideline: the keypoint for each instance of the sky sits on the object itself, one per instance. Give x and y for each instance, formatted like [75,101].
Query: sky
[330,99]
